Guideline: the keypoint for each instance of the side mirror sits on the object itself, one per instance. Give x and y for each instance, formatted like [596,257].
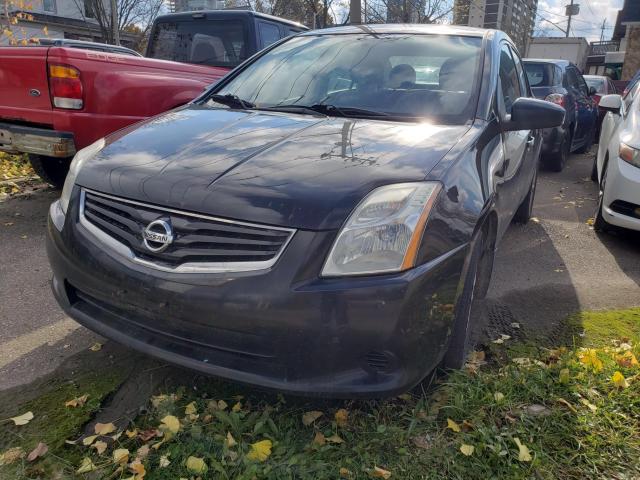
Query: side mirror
[534,114]
[611,103]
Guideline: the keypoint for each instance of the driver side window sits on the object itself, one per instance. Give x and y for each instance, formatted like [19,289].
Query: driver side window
[509,88]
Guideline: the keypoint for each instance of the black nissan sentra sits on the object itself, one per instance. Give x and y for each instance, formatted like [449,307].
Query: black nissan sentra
[319,221]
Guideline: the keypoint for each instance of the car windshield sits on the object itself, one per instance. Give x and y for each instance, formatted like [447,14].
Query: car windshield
[399,77]
[539,74]
[595,82]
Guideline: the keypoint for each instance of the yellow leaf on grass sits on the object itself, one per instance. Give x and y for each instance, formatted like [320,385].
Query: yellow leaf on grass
[378,472]
[12,455]
[237,407]
[164,461]
[37,452]
[498,396]
[191,409]
[86,441]
[104,428]
[319,439]
[170,423]
[259,451]
[22,419]
[131,433]
[453,425]
[524,455]
[142,452]
[341,416]
[335,439]
[77,402]
[619,380]
[345,472]
[310,417]
[589,358]
[231,442]
[587,403]
[86,466]
[196,465]
[100,446]
[467,449]
[627,360]
[138,468]
[121,455]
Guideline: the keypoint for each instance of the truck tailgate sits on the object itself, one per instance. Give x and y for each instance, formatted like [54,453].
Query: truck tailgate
[24,85]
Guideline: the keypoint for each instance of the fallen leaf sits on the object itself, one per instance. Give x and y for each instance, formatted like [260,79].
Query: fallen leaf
[453,425]
[142,452]
[222,405]
[524,455]
[319,439]
[39,451]
[345,472]
[164,461]
[627,360]
[77,402]
[170,423]
[86,441]
[310,417]
[587,403]
[22,419]
[535,219]
[515,325]
[231,442]
[196,465]
[498,396]
[335,439]
[131,433]
[341,417]
[567,404]
[104,428]
[619,380]
[406,397]
[537,410]
[120,456]
[100,446]
[237,407]
[12,455]
[467,449]
[259,451]
[565,376]
[378,472]
[191,409]
[590,221]
[148,434]
[589,358]
[96,347]
[138,468]
[86,466]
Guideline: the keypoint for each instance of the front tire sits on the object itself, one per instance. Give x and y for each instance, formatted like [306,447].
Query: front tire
[600,224]
[557,161]
[51,169]
[459,344]
[525,210]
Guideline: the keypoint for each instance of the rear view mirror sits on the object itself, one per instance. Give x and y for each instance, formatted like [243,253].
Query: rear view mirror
[533,114]
[611,103]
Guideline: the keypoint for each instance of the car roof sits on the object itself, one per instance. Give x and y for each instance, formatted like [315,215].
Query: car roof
[417,28]
[227,13]
[559,62]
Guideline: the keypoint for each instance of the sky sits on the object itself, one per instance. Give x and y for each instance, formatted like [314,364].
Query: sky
[587,23]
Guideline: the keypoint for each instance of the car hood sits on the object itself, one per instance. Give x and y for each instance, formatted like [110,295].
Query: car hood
[274,168]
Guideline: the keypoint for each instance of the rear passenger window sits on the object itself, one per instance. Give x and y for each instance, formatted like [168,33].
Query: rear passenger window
[509,80]
[269,33]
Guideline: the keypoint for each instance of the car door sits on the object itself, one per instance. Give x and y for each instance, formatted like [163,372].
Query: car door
[580,93]
[590,108]
[513,177]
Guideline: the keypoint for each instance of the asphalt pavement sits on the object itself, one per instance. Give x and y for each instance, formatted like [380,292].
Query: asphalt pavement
[551,267]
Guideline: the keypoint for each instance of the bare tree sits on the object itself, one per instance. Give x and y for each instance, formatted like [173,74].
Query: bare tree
[313,13]
[407,11]
[134,16]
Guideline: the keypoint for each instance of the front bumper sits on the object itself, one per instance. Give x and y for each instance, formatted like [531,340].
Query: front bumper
[282,328]
[39,141]
[623,185]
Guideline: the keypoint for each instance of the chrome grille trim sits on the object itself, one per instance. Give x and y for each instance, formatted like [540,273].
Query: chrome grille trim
[189,267]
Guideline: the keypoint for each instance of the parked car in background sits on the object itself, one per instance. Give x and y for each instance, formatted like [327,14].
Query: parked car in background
[560,82]
[603,86]
[617,166]
[57,99]
[93,46]
[319,221]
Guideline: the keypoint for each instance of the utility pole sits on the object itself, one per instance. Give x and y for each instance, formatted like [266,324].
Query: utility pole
[570,11]
[604,23]
[114,22]
[355,11]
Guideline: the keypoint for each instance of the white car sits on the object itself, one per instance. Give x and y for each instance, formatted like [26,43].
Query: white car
[617,165]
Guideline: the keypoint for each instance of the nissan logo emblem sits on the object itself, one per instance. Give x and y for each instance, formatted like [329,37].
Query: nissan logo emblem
[157,236]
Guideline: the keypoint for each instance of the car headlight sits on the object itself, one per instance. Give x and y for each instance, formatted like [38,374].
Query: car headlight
[629,154]
[384,231]
[76,165]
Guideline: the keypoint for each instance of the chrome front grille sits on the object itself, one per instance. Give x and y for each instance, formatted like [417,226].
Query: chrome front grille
[198,243]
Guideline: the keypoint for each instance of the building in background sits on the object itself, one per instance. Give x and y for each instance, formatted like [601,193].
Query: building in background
[573,49]
[515,17]
[626,61]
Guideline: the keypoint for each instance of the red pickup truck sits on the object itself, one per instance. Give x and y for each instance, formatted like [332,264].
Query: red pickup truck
[56,100]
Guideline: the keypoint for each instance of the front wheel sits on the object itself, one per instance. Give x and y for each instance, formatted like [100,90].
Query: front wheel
[51,169]
[557,161]
[456,355]
[525,210]
[600,224]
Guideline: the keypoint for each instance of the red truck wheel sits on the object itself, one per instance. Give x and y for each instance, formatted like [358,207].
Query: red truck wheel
[50,169]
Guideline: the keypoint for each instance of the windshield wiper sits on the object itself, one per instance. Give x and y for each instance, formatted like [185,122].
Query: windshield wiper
[292,108]
[232,101]
[329,109]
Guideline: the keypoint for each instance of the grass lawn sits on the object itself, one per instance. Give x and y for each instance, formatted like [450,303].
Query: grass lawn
[517,411]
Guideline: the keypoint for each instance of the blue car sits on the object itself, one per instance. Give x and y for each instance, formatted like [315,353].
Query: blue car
[560,82]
